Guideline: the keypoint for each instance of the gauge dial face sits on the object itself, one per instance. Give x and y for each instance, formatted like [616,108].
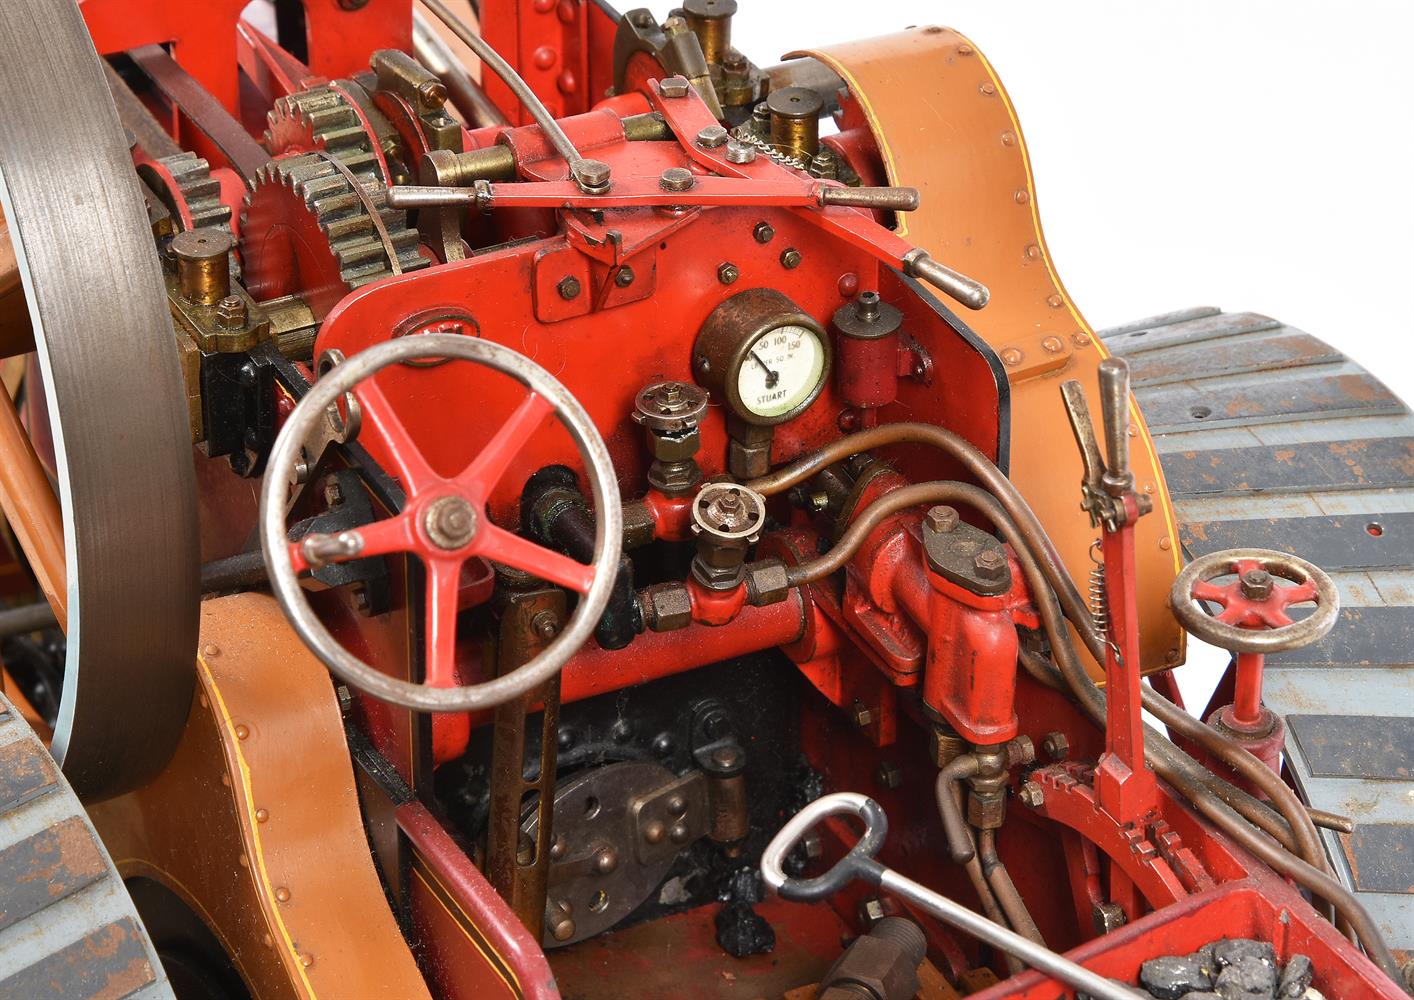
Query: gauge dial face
[781,370]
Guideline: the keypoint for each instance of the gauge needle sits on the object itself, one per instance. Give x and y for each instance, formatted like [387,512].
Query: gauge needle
[771,377]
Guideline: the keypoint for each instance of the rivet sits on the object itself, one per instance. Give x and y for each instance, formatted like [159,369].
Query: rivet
[1053,345]
[1165,544]
[205,702]
[567,82]
[1054,301]
[568,11]
[1171,656]
[965,50]
[245,861]
[1033,252]
[544,6]
[987,89]
[1008,138]
[282,894]
[1080,339]
[1149,488]
[268,941]
[544,57]
[1011,357]
[226,780]
[1022,196]
[848,284]
[1133,431]
[307,959]
[211,649]
[242,732]
[262,815]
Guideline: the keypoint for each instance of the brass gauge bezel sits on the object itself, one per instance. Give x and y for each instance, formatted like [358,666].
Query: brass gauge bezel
[723,345]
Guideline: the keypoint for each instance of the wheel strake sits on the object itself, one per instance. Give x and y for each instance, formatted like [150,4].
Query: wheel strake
[116,402]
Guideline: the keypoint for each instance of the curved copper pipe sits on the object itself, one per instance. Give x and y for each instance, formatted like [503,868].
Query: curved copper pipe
[1007,895]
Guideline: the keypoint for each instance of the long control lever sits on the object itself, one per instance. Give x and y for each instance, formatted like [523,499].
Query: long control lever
[860,863]
[1124,786]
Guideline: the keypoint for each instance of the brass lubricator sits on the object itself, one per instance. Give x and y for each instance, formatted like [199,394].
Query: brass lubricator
[711,22]
[795,121]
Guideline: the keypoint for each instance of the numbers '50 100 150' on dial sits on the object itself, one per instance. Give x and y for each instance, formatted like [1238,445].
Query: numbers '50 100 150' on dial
[761,354]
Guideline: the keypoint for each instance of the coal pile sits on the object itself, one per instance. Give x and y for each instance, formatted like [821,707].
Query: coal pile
[1228,969]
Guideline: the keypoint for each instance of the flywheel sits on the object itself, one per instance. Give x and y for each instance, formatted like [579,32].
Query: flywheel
[116,403]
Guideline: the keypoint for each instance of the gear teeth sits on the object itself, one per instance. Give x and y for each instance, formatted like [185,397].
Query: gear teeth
[322,118]
[198,189]
[311,181]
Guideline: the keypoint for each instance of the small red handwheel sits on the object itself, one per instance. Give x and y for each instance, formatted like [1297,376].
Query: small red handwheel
[444,523]
[1253,604]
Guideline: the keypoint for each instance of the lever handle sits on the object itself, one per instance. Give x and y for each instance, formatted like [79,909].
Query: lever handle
[1114,411]
[1078,410]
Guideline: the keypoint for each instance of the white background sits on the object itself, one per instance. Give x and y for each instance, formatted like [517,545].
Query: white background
[1248,154]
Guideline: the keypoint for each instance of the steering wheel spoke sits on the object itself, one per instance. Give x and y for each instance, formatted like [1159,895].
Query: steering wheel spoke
[440,621]
[378,538]
[409,465]
[1252,615]
[513,550]
[485,471]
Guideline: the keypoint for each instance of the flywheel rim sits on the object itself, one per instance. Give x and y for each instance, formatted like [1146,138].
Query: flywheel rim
[117,407]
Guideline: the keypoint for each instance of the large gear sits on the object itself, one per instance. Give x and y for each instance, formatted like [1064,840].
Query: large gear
[307,231]
[329,118]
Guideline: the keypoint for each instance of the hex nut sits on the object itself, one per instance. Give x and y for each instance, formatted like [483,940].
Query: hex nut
[888,775]
[986,810]
[568,287]
[1056,745]
[728,273]
[790,258]
[941,518]
[860,715]
[945,746]
[991,565]
[674,447]
[1107,917]
[766,582]
[876,965]
[1031,795]
[764,232]
[231,312]
[625,276]
[667,607]
[1020,751]
[673,86]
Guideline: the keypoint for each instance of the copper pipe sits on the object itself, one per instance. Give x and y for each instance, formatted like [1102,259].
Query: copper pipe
[971,458]
[32,509]
[946,789]
[1007,895]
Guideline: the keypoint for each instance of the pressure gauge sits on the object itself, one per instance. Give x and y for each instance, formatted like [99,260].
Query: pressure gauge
[763,356]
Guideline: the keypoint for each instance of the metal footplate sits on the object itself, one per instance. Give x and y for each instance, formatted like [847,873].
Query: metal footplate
[1270,438]
[68,928]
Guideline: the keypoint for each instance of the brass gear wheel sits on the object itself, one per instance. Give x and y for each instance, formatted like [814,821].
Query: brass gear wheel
[328,118]
[305,230]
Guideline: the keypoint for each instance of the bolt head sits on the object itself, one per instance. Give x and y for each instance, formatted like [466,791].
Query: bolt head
[231,312]
[888,775]
[432,94]
[1032,796]
[676,179]
[1256,584]
[991,564]
[790,258]
[592,173]
[764,232]
[1056,745]
[625,277]
[740,152]
[674,86]
[568,288]
[712,137]
[728,273]
[861,716]
[941,519]
[654,832]
[1107,917]
[450,522]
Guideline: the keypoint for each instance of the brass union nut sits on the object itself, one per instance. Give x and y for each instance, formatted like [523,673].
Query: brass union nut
[667,607]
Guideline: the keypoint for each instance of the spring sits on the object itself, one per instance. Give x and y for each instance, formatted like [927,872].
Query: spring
[1099,601]
[746,135]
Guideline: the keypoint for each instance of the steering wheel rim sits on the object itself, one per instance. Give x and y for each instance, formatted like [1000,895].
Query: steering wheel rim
[280,563]
[1188,589]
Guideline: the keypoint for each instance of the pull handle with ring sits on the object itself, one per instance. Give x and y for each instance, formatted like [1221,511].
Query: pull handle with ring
[859,863]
